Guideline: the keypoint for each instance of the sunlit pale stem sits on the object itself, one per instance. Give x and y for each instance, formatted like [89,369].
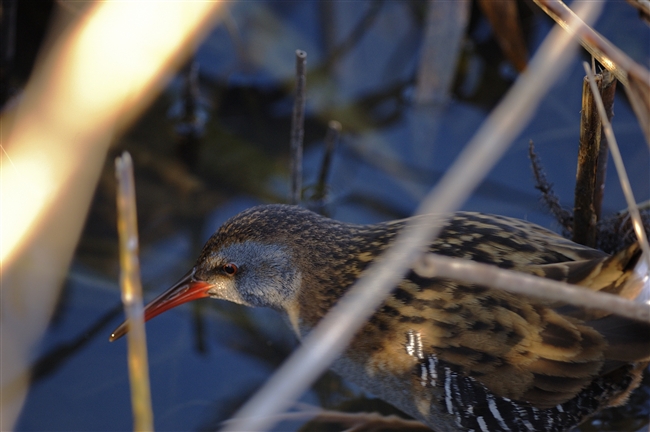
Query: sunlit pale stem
[132,294]
[338,327]
[615,60]
[637,223]
[98,74]
[104,72]
[533,286]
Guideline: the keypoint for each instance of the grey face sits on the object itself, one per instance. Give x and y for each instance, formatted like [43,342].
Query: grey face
[251,273]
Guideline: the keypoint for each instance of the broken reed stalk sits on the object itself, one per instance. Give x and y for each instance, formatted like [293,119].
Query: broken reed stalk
[607,94]
[633,209]
[298,128]
[585,218]
[132,294]
[592,162]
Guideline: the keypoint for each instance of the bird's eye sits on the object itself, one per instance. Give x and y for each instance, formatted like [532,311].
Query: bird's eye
[230,269]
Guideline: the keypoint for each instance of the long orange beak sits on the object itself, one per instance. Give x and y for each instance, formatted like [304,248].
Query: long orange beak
[183,291]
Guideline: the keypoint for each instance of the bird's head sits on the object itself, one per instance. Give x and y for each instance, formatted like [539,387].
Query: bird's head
[241,264]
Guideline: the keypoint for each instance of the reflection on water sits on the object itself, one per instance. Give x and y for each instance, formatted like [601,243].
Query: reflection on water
[201,155]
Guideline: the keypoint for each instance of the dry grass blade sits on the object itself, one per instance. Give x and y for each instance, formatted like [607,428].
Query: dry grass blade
[612,58]
[487,275]
[337,328]
[620,168]
[634,77]
[132,295]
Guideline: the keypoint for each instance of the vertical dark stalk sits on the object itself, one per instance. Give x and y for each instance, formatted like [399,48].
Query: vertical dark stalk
[592,162]
[607,93]
[298,128]
[585,218]
[331,140]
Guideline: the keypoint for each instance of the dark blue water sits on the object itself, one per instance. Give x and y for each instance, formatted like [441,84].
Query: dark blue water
[207,358]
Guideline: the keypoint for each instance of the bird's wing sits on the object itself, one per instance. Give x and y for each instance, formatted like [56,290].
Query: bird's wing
[521,348]
[622,275]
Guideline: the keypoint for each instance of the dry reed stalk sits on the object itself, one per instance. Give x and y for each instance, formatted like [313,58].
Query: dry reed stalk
[633,209]
[127,227]
[592,161]
[298,127]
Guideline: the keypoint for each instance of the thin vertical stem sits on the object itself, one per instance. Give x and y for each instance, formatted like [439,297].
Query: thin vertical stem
[637,223]
[298,128]
[331,139]
[585,218]
[132,294]
[607,93]
[592,160]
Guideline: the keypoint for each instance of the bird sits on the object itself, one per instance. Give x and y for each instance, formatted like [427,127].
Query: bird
[456,356]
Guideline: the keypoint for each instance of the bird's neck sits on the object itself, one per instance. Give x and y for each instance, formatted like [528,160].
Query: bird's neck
[331,266]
